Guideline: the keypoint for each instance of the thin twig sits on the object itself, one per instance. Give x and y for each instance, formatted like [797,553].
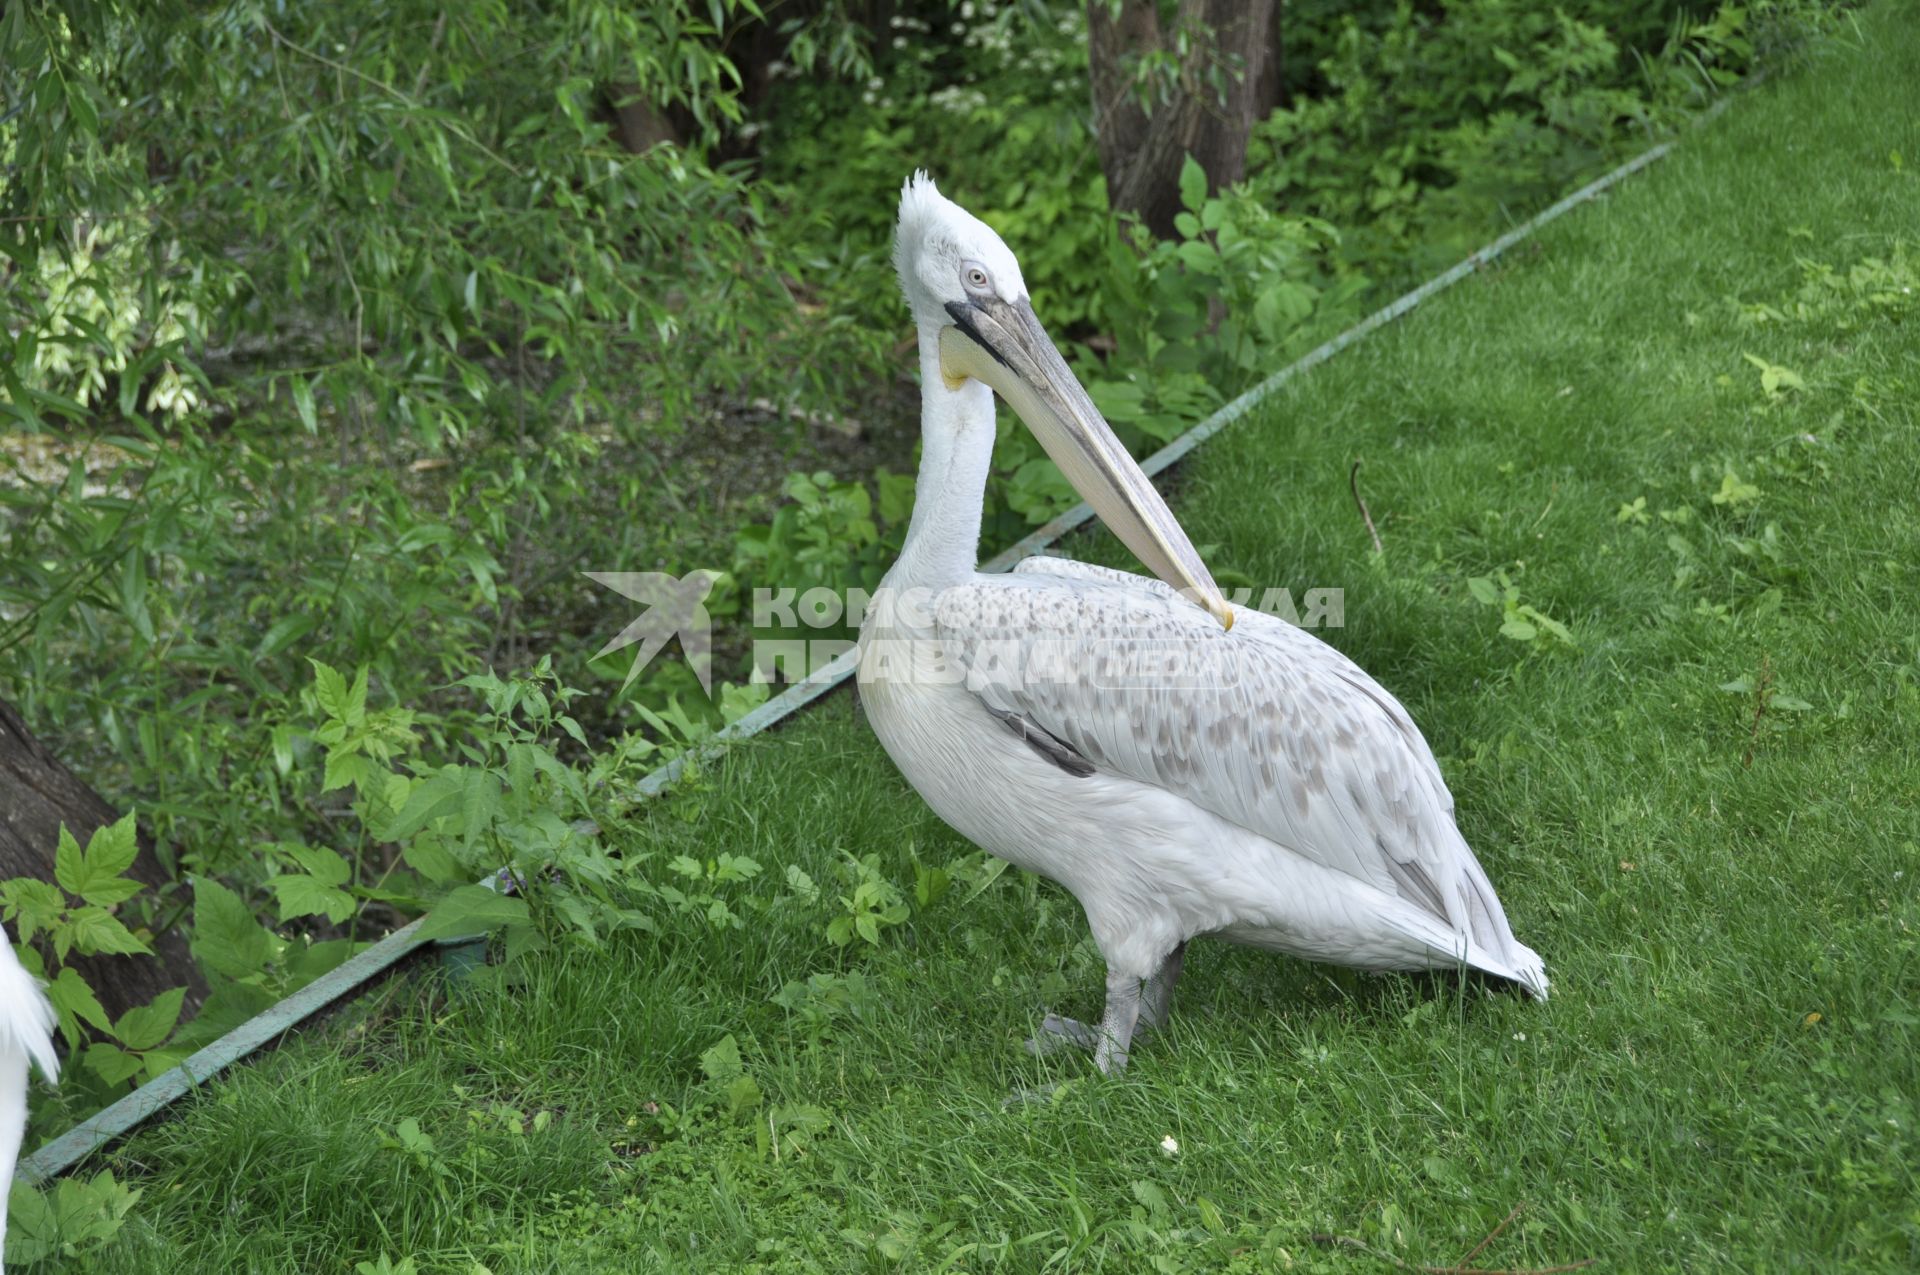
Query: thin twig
[1494,1234]
[391,92]
[1762,692]
[1349,1241]
[1353,485]
[1460,1267]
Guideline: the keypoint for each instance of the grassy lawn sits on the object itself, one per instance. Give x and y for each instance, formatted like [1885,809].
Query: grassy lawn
[1683,425]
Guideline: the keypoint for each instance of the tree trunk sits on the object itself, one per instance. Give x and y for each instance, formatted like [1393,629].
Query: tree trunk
[1270,86]
[638,123]
[37,796]
[1208,114]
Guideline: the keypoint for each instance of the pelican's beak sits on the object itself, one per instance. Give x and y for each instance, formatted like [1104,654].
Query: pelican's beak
[1002,343]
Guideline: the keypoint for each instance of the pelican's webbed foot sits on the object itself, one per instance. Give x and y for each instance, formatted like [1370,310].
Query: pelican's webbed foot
[1131,1004]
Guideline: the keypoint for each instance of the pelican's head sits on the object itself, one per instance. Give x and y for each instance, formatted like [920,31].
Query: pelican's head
[964,286]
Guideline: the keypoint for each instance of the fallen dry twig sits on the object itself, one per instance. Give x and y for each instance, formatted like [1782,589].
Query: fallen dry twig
[1460,1267]
[1762,688]
[1353,485]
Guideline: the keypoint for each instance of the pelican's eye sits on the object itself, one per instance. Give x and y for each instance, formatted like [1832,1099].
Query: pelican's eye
[974,277]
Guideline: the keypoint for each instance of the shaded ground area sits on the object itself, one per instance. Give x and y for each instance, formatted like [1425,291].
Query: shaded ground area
[1684,430]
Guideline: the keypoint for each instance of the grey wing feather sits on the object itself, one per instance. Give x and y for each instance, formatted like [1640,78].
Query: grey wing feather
[1266,726]
[1044,742]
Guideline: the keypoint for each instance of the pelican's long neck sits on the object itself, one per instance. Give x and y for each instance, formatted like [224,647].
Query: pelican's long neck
[956,451]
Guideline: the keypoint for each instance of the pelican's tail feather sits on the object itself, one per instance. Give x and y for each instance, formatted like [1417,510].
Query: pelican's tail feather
[1527,969]
[26,1017]
[26,1039]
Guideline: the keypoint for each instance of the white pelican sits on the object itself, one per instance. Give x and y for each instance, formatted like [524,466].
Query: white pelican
[26,1036]
[1183,769]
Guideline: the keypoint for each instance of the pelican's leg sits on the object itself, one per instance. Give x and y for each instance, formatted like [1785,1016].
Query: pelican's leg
[1158,998]
[1151,1006]
[1117,1024]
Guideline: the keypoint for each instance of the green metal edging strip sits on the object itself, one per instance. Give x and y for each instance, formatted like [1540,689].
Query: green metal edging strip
[67,1150]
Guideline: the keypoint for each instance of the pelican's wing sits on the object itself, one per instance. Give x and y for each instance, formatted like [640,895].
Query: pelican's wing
[1265,726]
[1268,627]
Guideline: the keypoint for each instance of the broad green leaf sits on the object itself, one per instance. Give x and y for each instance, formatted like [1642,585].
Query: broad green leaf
[1193,185]
[721,1062]
[315,959]
[94,931]
[430,799]
[356,705]
[226,937]
[283,634]
[114,1065]
[95,875]
[743,1097]
[69,864]
[329,690]
[145,1026]
[471,910]
[282,738]
[303,403]
[112,848]
[302,895]
[111,891]
[1518,629]
[74,999]
[430,857]
[37,905]
[329,866]
[479,802]
[344,769]
[229,1005]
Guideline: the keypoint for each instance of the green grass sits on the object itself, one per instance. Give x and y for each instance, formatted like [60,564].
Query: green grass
[1676,1105]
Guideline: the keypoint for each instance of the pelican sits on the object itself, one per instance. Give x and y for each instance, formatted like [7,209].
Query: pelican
[26,1037]
[1184,767]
